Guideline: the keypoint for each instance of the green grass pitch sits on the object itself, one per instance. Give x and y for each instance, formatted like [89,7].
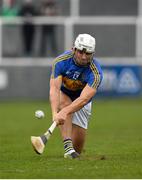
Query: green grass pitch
[113,147]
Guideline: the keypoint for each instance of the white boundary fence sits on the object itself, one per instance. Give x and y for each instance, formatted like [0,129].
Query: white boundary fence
[74,18]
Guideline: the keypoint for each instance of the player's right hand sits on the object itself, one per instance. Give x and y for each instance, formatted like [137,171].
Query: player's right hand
[59,119]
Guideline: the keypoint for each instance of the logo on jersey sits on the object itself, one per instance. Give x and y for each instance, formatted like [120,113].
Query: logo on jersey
[73,75]
[76,75]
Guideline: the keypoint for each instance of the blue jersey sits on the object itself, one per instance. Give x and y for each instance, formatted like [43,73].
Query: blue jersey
[75,77]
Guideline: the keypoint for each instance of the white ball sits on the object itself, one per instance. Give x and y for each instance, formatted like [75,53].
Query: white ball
[39,114]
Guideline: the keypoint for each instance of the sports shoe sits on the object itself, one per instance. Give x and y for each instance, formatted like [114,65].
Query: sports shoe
[37,144]
[72,155]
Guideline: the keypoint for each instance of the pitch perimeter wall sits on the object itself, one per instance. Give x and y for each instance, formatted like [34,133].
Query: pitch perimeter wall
[32,81]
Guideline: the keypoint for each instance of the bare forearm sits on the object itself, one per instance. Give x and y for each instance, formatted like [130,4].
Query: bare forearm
[81,101]
[76,105]
[55,95]
[54,101]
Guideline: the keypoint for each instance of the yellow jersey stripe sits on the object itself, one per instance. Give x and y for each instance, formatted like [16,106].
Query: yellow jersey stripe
[97,78]
[64,57]
[61,58]
[96,75]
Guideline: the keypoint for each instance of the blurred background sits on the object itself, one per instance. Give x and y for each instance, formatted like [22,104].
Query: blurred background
[33,33]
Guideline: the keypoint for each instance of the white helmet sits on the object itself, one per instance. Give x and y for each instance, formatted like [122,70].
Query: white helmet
[85,41]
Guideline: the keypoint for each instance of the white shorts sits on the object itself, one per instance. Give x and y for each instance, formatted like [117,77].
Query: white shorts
[81,117]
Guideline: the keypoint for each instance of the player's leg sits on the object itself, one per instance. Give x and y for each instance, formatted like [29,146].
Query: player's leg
[66,129]
[80,122]
[78,138]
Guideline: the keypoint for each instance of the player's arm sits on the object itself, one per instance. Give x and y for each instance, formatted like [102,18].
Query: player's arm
[55,84]
[87,93]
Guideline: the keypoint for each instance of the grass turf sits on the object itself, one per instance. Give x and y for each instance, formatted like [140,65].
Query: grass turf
[112,149]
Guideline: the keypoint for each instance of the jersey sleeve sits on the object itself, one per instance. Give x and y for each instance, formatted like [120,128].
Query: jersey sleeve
[96,76]
[57,69]
[59,64]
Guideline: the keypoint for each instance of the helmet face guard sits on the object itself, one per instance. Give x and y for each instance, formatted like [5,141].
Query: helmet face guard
[85,41]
